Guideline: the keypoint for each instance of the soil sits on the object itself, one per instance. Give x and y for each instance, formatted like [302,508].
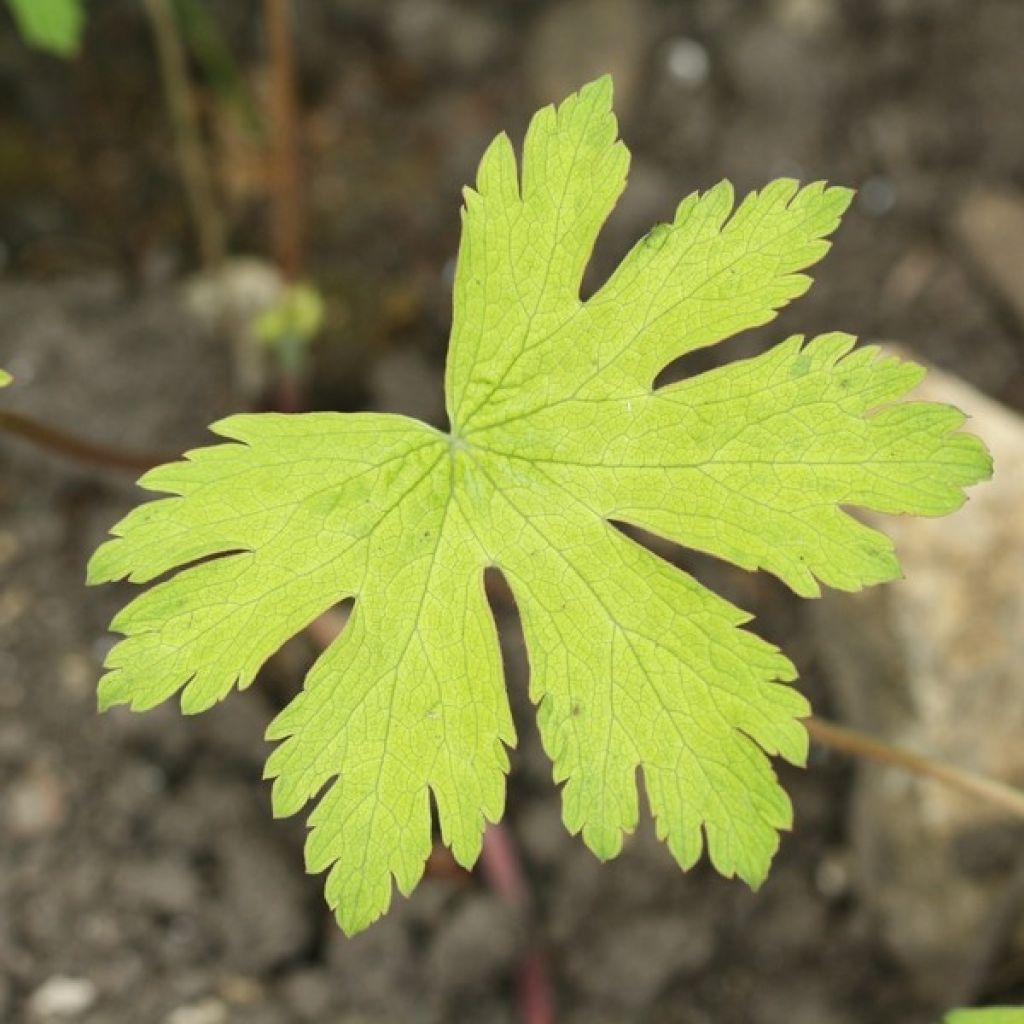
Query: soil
[142,878]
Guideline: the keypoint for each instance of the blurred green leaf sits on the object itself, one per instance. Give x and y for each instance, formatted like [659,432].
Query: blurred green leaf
[53,25]
[297,316]
[988,1015]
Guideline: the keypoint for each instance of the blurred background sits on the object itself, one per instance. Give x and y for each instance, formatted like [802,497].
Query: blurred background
[208,206]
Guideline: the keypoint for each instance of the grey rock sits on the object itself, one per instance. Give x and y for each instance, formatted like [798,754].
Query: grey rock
[35,804]
[55,338]
[990,227]
[687,61]
[932,663]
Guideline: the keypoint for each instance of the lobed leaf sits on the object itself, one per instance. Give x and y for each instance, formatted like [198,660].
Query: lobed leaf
[557,435]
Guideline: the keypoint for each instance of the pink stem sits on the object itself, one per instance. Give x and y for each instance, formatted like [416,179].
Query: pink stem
[503,870]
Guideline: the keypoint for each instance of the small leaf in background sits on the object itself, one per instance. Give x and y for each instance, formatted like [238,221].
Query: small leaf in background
[53,25]
[296,317]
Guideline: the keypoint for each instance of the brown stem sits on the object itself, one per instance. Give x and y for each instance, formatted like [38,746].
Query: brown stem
[503,869]
[72,447]
[850,741]
[286,206]
[195,173]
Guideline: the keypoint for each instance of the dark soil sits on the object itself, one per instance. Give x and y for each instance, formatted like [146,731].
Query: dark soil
[138,857]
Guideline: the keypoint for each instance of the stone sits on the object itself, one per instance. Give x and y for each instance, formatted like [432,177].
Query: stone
[990,227]
[932,663]
[62,998]
[206,1011]
[687,61]
[35,804]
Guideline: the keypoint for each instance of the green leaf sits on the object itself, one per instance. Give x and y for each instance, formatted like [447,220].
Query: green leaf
[989,1015]
[53,25]
[5,378]
[557,435]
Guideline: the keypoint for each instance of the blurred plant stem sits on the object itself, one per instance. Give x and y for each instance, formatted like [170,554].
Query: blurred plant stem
[859,744]
[207,220]
[503,868]
[71,447]
[205,41]
[287,221]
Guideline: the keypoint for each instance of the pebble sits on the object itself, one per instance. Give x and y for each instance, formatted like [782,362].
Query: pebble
[35,804]
[207,1011]
[62,997]
[990,227]
[687,61]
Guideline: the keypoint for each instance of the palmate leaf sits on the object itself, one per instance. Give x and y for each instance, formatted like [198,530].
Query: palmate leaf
[557,434]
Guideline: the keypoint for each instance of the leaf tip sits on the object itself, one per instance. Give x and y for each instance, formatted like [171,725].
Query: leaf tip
[601,88]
